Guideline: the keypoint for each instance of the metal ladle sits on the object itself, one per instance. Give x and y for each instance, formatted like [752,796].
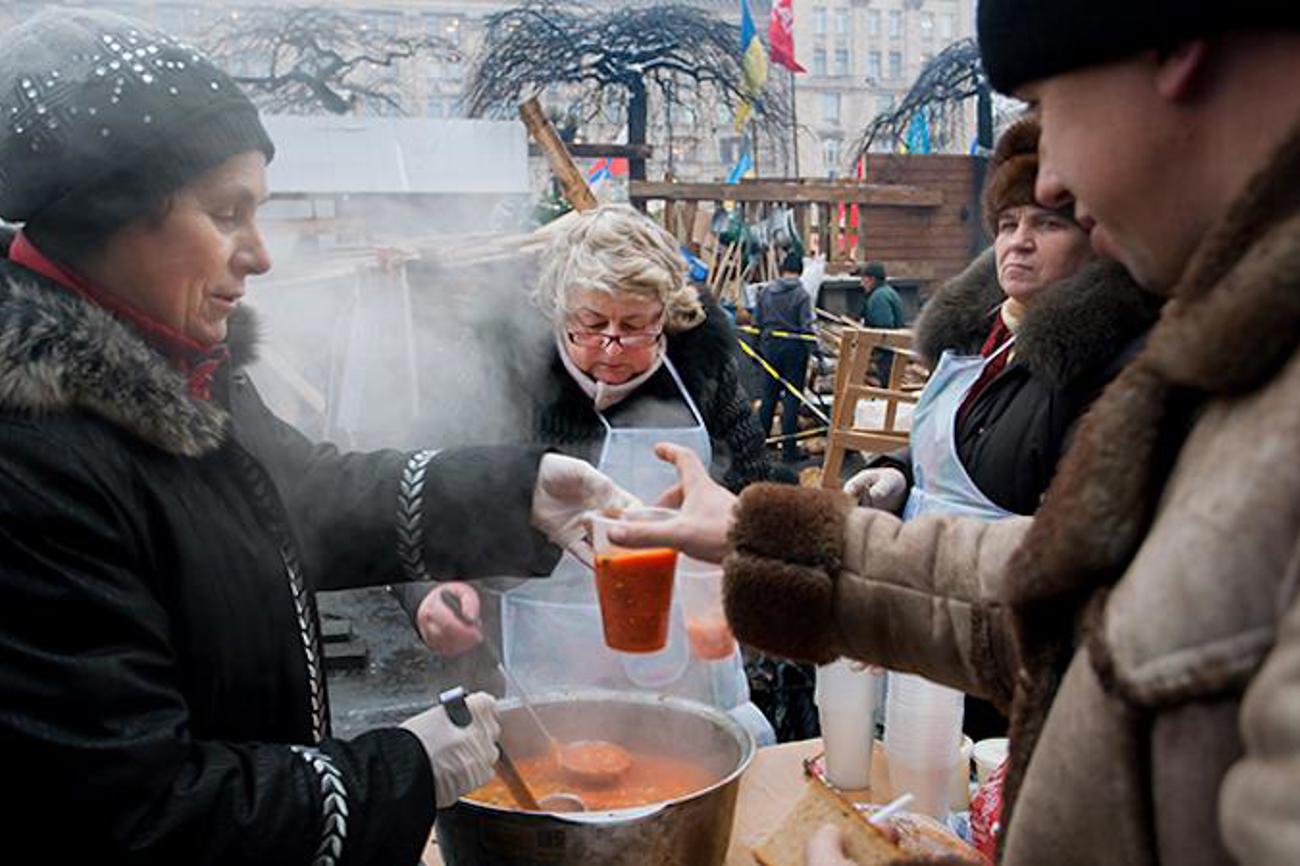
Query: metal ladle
[561,801]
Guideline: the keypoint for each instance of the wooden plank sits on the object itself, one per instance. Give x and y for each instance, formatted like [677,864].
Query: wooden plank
[876,195]
[572,183]
[588,150]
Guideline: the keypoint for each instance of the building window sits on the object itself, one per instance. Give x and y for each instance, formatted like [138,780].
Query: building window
[895,23]
[819,20]
[873,66]
[873,22]
[927,25]
[841,61]
[819,61]
[842,21]
[947,26]
[831,107]
[895,65]
[729,151]
[884,102]
[831,155]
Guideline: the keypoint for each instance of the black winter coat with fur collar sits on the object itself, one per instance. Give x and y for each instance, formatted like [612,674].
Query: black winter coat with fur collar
[162,699]
[1075,338]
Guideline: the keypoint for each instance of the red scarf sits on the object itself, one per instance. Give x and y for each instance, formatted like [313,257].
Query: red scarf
[998,335]
[196,361]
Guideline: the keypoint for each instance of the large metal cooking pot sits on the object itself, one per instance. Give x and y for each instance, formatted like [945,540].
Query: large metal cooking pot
[691,831]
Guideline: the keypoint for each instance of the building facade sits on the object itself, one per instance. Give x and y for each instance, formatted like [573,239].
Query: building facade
[860,55]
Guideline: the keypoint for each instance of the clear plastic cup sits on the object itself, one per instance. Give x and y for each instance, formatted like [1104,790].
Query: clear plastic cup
[923,740]
[634,587]
[699,586]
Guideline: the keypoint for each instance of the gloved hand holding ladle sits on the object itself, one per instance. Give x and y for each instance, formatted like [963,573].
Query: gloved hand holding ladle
[587,763]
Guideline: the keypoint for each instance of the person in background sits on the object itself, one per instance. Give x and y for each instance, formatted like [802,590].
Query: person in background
[1020,344]
[1144,626]
[162,533]
[881,308]
[784,318]
[639,355]
[881,305]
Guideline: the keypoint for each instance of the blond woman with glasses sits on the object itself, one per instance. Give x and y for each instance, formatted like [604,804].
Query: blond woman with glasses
[641,356]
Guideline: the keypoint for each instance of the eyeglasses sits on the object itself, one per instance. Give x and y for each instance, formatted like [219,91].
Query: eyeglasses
[598,340]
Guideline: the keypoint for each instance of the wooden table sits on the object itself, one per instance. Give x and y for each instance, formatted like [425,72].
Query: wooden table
[770,787]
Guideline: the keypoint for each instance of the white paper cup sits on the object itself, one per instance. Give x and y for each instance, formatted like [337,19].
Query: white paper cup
[846,700]
[988,755]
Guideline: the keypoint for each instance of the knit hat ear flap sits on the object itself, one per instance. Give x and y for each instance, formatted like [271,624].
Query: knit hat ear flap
[1013,170]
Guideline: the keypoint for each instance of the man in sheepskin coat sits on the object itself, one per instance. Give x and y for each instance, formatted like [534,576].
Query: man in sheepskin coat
[1144,627]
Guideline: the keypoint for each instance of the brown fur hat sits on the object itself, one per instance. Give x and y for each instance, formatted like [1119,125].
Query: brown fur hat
[1013,168]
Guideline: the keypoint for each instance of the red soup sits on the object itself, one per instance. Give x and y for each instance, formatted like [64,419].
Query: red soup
[636,594]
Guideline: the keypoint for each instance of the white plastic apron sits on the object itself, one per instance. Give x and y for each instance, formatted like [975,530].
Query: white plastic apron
[551,629]
[940,483]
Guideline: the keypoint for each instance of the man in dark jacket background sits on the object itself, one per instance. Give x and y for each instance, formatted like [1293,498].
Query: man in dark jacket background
[784,318]
[881,308]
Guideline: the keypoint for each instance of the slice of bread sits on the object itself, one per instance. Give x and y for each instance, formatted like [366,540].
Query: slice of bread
[866,844]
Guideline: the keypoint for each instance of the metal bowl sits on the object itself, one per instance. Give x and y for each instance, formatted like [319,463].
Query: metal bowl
[693,830]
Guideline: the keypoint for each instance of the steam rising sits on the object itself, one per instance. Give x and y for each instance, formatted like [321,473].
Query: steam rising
[402,344]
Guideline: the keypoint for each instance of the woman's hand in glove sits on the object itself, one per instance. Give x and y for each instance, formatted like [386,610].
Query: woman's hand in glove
[442,631]
[567,490]
[705,512]
[462,759]
[883,488]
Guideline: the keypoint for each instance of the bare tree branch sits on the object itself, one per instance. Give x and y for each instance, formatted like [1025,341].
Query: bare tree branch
[952,77]
[684,55]
[300,60]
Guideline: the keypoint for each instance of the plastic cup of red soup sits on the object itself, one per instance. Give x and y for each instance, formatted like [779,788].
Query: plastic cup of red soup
[634,587]
[707,630]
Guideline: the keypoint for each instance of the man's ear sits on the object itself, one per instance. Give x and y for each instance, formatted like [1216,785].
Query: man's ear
[1180,69]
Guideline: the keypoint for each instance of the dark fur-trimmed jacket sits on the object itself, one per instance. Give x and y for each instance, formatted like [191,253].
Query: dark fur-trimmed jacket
[1071,342]
[705,358]
[1144,625]
[162,698]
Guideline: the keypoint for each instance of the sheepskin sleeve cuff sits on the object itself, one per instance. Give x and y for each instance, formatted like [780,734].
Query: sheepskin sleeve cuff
[780,578]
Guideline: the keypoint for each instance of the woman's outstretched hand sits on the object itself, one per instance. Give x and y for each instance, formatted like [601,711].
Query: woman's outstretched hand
[705,512]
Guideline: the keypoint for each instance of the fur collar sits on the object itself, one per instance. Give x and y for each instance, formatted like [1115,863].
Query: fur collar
[1232,323]
[1076,326]
[62,354]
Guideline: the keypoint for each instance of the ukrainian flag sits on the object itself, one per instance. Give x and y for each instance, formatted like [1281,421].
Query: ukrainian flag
[753,65]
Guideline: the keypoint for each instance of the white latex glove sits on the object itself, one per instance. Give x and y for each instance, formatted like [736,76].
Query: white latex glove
[462,758]
[883,488]
[567,491]
[441,630]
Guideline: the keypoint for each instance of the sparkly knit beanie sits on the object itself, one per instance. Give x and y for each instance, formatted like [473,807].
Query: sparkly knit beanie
[1023,41]
[90,97]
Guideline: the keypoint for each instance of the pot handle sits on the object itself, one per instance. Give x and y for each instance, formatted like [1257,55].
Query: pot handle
[620,816]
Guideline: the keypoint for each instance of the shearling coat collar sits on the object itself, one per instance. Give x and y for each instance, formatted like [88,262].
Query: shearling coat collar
[1233,321]
[62,354]
[1075,326]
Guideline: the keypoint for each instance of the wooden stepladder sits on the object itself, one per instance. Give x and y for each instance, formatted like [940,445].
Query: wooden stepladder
[851,386]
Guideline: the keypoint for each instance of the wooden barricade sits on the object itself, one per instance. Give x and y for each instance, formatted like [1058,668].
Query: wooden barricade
[851,385]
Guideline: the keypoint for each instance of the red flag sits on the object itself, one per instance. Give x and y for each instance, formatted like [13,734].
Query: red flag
[780,36]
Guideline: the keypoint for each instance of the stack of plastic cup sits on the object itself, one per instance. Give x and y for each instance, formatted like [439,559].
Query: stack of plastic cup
[846,701]
[922,740]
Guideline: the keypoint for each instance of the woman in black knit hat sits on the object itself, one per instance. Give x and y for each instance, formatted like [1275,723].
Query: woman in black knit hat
[161,532]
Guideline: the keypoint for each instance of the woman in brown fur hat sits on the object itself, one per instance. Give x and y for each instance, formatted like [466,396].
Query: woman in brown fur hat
[1020,343]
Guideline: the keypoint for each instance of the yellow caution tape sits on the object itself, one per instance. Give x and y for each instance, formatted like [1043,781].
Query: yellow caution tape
[787,335]
[771,371]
